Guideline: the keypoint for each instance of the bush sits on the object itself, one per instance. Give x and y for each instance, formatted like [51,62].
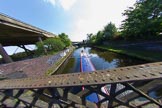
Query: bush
[50,44]
[65,39]
[118,36]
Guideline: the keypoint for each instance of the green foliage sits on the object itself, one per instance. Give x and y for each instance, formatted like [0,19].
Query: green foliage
[19,56]
[118,36]
[91,38]
[64,38]
[109,33]
[54,44]
[50,44]
[40,48]
[99,37]
[143,21]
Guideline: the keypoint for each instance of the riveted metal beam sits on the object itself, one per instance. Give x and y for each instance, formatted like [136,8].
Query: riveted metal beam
[118,75]
[122,91]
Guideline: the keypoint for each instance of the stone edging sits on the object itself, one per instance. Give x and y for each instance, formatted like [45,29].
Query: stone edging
[57,65]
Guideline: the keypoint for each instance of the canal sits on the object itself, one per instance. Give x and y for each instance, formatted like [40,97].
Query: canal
[101,59]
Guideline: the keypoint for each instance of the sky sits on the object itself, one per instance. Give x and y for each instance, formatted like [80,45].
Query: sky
[76,18]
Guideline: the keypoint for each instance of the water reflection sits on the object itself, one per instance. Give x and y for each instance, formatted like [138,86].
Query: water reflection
[101,59]
[109,60]
[72,64]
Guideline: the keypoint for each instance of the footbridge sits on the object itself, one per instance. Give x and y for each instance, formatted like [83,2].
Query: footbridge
[128,87]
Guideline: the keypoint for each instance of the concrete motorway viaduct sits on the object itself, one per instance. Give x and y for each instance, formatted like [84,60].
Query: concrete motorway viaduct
[17,33]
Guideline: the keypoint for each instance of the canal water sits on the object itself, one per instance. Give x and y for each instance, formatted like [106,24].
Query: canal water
[101,59]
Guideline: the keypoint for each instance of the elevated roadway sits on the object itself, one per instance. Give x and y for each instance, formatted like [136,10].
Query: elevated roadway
[15,32]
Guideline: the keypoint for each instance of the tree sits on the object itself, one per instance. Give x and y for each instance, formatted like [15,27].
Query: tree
[109,31]
[64,38]
[51,45]
[143,20]
[99,37]
[89,38]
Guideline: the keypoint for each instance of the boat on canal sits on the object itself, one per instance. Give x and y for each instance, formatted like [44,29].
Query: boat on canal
[87,66]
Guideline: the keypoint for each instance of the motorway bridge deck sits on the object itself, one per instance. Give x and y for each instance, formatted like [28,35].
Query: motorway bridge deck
[15,32]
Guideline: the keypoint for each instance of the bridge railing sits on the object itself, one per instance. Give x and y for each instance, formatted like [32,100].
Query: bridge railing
[127,86]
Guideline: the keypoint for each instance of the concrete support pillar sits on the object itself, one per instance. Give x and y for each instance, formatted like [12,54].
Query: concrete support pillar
[4,54]
[40,39]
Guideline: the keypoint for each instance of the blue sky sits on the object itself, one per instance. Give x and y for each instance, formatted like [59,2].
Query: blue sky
[38,13]
[73,17]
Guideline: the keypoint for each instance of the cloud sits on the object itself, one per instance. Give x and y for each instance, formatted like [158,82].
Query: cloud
[65,4]
[90,16]
[93,15]
[53,2]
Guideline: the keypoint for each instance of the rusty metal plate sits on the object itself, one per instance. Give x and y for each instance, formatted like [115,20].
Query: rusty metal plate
[2,77]
[124,74]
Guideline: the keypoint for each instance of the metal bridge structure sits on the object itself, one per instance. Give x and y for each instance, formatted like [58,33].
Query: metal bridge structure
[77,43]
[128,87]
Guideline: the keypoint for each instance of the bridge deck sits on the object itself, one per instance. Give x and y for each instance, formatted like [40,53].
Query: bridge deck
[126,87]
[15,32]
[124,74]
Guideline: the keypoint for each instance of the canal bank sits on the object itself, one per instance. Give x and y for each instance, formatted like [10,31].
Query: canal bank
[40,66]
[56,65]
[143,55]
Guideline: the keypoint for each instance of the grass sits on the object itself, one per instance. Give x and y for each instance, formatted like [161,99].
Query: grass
[141,54]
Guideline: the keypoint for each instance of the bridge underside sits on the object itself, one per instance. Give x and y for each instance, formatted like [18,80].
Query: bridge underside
[15,32]
[14,36]
[127,87]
